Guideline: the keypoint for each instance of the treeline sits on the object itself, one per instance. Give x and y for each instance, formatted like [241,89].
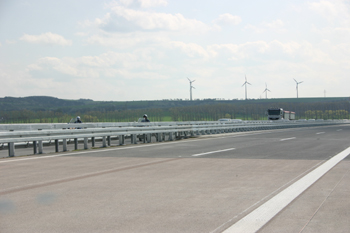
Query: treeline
[209,112]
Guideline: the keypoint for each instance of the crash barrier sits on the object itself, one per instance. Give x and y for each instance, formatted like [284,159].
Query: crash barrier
[12,135]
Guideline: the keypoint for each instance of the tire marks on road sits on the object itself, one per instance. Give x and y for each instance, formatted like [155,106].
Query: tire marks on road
[80,177]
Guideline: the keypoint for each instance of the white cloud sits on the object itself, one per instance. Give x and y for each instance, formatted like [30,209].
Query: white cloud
[152,3]
[126,40]
[46,38]
[66,66]
[263,52]
[139,64]
[228,19]
[190,49]
[125,19]
[141,3]
[276,25]
[337,15]
[255,28]
[335,9]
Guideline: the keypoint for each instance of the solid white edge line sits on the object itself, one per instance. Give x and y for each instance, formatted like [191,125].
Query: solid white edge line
[285,139]
[212,152]
[259,217]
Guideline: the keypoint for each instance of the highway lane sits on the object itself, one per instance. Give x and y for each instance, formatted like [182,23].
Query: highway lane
[163,187]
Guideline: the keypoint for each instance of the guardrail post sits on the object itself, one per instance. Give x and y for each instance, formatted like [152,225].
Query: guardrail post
[75,143]
[86,140]
[171,136]
[11,146]
[56,145]
[35,148]
[109,140]
[121,140]
[40,144]
[133,139]
[64,143]
[149,137]
[93,141]
[104,144]
[159,137]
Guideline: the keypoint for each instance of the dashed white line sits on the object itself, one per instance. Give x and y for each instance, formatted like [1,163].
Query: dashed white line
[259,217]
[320,132]
[212,152]
[339,130]
[285,139]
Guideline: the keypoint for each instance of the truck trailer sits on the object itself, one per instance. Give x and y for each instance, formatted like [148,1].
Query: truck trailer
[280,114]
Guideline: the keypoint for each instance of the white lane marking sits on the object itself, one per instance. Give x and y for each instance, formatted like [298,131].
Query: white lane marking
[259,217]
[320,132]
[285,139]
[269,195]
[339,130]
[212,152]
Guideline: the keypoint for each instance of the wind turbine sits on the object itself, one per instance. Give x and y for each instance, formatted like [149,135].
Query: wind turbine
[245,83]
[297,86]
[266,90]
[191,87]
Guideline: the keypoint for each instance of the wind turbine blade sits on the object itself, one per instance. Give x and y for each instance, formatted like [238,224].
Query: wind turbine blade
[249,83]
[295,80]
[301,82]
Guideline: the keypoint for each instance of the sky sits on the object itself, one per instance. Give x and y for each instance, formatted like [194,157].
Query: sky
[127,50]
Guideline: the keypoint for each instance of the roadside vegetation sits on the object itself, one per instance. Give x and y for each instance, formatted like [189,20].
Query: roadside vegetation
[43,109]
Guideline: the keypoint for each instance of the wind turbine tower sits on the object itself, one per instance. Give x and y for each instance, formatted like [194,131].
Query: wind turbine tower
[297,86]
[245,83]
[191,87]
[266,90]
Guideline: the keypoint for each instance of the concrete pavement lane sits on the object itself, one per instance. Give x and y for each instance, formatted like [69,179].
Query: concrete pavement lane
[161,187]
[324,207]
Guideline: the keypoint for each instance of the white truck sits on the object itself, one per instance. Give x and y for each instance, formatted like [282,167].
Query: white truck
[279,114]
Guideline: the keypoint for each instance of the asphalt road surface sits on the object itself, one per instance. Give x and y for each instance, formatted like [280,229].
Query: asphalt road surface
[294,180]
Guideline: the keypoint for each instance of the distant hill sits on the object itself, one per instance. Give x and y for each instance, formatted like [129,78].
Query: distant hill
[46,103]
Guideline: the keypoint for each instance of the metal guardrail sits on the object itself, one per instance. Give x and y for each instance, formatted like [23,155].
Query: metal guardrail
[13,134]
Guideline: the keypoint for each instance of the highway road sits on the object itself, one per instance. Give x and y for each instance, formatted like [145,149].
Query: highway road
[294,180]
